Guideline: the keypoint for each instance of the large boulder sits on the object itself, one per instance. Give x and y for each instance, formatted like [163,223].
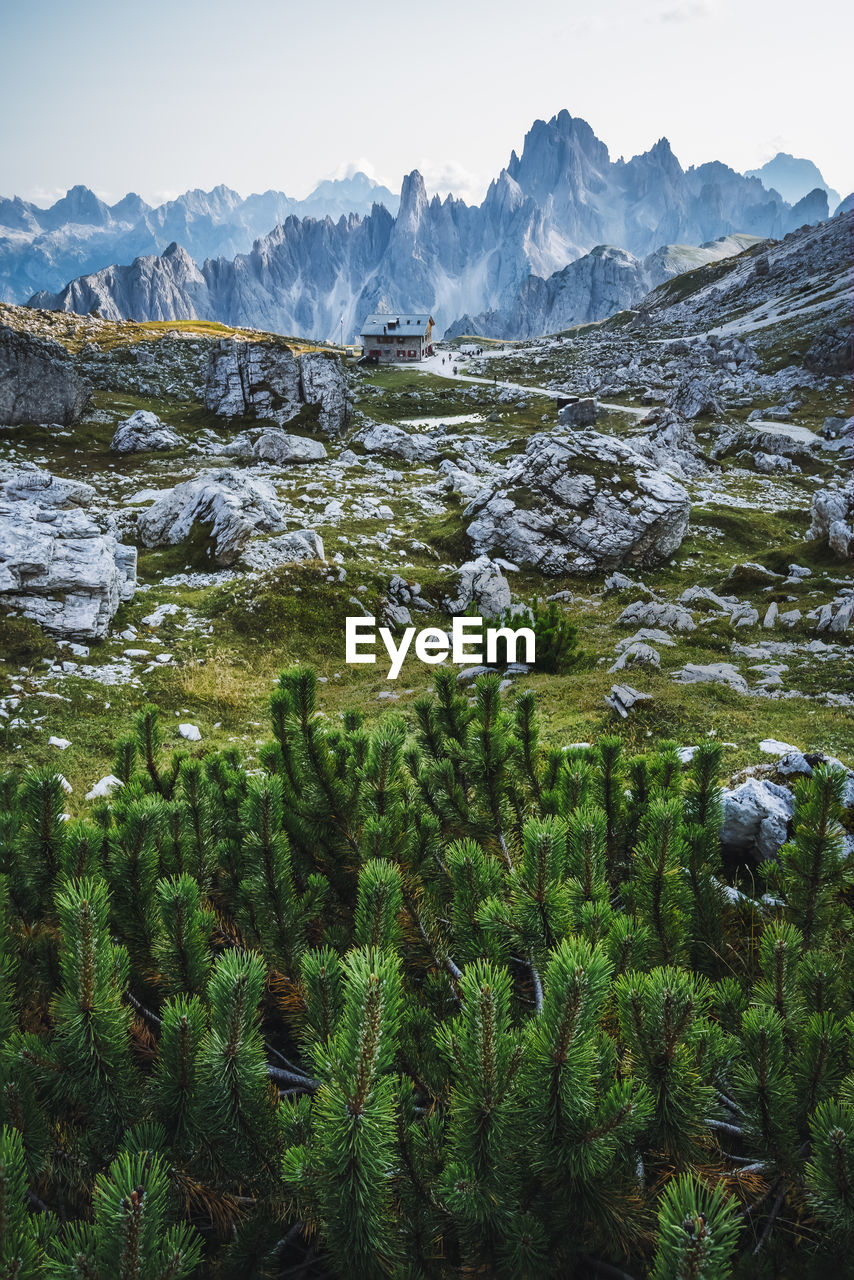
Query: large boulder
[56,565]
[575,504]
[382,437]
[229,505]
[143,432]
[266,380]
[480,583]
[756,819]
[832,512]
[272,445]
[38,382]
[694,397]
[578,413]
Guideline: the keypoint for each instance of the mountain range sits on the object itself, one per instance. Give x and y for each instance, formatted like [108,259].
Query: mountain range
[80,233]
[552,205]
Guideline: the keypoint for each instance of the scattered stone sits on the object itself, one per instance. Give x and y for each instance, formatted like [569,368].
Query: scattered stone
[190,731]
[655,614]
[623,698]
[712,673]
[60,743]
[104,787]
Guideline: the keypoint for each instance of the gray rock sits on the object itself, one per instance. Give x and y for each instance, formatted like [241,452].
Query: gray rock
[694,397]
[580,413]
[481,583]
[712,673]
[30,483]
[637,654]
[382,437]
[229,504]
[57,567]
[322,382]
[577,503]
[623,698]
[273,445]
[832,512]
[285,548]
[756,819]
[266,380]
[656,614]
[38,382]
[143,432]
[831,351]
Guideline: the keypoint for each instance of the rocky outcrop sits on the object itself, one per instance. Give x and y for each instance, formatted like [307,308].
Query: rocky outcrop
[832,513]
[322,382]
[38,382]
[143,432]
[228,505]
[832,352]
[56,566]
[265,380]
[580,503]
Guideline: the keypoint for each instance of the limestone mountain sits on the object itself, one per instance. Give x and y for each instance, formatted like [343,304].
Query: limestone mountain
[553,204]
[80,233]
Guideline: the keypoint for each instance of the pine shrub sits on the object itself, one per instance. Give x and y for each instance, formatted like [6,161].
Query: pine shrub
[420,1001]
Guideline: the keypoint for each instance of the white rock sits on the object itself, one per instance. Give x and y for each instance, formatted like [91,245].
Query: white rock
[143,432]
[560,507]
[480,582]
[104,787]
[190,731]
[232,504]
[712,673]
[756,818]
[60,743]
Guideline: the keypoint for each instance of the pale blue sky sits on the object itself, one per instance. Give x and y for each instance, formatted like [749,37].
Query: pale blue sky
[161,95]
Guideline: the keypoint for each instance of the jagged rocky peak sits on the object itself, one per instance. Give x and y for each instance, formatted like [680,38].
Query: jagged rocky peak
[557,152]
[413,201]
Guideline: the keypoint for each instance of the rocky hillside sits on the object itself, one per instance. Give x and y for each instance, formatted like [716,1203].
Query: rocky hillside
[43,248]
[550,206]
[225,499]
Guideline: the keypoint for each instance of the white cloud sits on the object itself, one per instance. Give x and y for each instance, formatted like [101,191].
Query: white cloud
[443,177]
